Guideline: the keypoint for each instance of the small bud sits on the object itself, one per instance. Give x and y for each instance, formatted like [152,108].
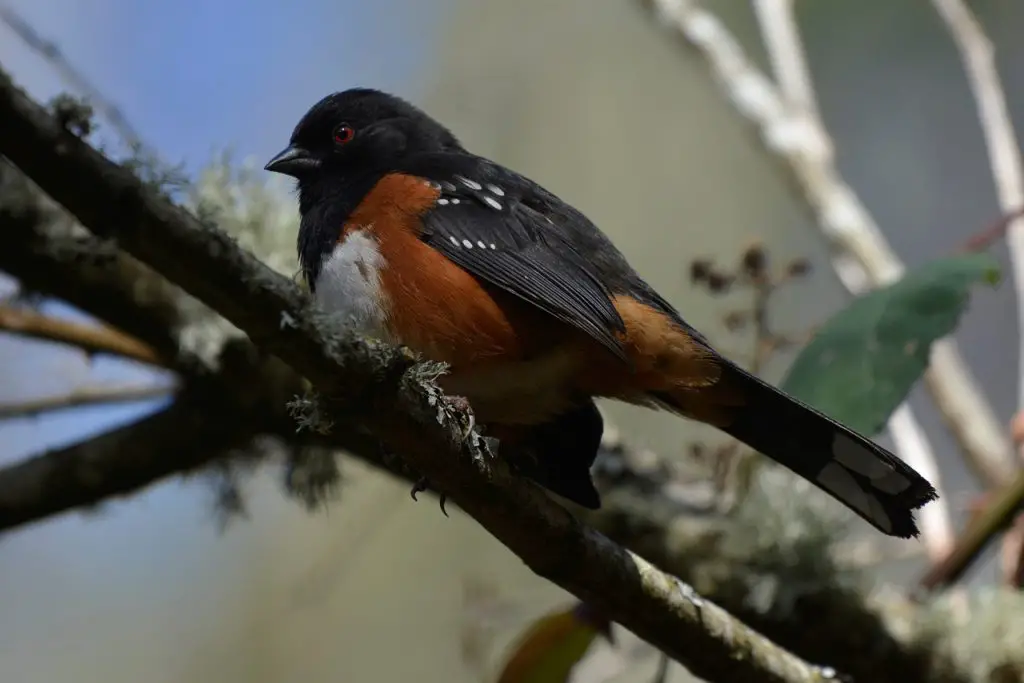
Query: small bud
[699,270]
[754,260]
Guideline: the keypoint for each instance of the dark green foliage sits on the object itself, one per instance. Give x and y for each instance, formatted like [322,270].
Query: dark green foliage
[863,362]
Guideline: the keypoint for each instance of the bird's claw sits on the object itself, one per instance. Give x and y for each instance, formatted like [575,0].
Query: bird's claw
[459,403]
[419,487]
[422,485]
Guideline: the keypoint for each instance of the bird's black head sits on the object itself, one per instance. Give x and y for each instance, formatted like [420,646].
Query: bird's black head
[340,148]
[359,131]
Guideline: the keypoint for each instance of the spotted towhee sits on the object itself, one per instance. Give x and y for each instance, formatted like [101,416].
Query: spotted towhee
[408,237]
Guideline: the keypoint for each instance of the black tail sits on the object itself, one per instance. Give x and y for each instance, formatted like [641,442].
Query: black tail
[857,472]
[558,454]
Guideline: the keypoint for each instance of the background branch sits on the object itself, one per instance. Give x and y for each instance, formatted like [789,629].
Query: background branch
[996,517]
[89,338]
[75,78]
[82,397]
[978,56]
[176,440]
[862,257]
[46,254]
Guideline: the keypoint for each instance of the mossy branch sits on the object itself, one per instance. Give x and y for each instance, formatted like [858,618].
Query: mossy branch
[385,390]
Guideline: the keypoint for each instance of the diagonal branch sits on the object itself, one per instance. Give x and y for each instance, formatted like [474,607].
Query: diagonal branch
[82,397]
[382,389]
[215,417]
[1001,509]
[89,338]
[175,440]
[52,53]
[84,271]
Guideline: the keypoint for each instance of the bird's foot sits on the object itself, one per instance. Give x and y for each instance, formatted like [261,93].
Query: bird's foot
[461,404]
[422,485]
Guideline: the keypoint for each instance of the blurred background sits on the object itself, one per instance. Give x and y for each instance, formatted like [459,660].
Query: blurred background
[591,99]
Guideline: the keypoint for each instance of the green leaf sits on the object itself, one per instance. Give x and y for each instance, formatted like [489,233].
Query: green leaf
[549,649]
[863,362]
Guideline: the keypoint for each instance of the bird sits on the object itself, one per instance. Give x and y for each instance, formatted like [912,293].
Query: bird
[407,237]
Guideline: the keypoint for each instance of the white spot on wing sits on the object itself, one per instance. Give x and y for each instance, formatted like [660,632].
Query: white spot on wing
[496,190]
[859,459]
[349,288]
[454,240]
[481,244]
[467,244]
[442,202]
[471,184]
[840,482]
[493,203]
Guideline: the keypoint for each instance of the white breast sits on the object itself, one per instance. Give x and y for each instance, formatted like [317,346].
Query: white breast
[349,288]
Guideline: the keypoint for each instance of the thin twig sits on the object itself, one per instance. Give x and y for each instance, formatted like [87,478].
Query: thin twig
[995,518]
[89,338]
[978,56]
[82,397]
[735,467]
[996,231]
[51,52]
[785,48]
[781,35]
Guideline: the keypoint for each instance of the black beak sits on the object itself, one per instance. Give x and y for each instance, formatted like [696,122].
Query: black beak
[293,161]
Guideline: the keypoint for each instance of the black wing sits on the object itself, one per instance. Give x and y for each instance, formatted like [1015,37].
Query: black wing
[485,228]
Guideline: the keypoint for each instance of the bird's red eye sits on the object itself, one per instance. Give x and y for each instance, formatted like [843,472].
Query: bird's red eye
[343,133]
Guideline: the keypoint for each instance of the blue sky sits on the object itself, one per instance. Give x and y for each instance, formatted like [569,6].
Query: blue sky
[194,77]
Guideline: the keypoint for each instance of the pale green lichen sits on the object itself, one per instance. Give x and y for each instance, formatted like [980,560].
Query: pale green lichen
[254,209]
[308,415]
[252,206]
[982,634]
[782,541]
[784,544]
